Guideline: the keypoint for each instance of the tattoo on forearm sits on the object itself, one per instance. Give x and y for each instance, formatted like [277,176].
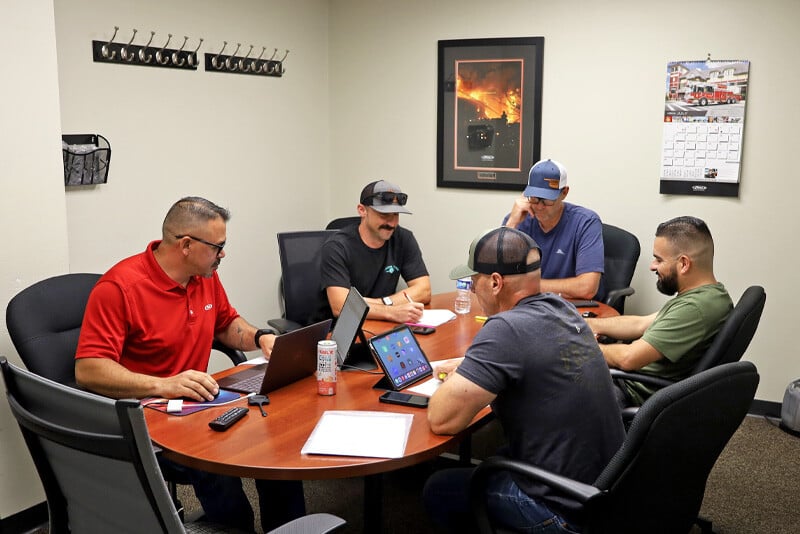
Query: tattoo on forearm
[240,331]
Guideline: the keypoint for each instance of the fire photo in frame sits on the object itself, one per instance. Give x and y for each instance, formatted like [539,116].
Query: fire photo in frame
[489,112]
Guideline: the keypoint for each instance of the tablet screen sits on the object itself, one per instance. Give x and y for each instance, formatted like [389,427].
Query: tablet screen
[400,357]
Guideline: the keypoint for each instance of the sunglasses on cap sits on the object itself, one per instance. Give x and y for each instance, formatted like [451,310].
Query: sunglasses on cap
[386,197]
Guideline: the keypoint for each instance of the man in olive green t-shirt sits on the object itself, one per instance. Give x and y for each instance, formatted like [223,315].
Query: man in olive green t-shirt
[669,343]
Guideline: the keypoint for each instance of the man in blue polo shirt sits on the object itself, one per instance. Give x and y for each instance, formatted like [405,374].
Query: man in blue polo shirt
[570,236]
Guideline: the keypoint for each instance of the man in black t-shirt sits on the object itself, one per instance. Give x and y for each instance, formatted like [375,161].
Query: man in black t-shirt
[372,256]
[536,362]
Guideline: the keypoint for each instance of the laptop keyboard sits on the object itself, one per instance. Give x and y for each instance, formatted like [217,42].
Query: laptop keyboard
[251,384]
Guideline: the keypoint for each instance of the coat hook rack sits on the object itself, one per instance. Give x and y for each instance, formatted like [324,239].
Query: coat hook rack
[246,64]
[128,53]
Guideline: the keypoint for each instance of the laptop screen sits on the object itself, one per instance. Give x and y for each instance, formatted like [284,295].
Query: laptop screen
[400,357]
[350,320]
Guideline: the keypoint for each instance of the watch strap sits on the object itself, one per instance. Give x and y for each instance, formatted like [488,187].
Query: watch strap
[260,332]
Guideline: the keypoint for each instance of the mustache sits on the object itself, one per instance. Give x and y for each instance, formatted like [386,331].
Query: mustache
[386,227]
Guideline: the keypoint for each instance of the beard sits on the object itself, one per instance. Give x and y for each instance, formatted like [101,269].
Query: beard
[668,284]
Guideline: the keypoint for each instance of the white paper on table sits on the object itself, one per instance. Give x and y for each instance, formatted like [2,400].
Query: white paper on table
[435,317]
[360,433]
[426,388]
[429,387]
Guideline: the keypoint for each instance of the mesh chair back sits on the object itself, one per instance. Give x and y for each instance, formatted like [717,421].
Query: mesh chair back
[93,456]
[622,251]
[656,481]
[300,272]
[44,322]
[737,331]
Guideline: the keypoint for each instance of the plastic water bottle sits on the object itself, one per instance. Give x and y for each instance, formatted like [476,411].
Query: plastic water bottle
[463,296]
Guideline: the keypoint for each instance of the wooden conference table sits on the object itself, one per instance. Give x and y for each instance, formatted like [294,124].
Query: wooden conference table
[269,448]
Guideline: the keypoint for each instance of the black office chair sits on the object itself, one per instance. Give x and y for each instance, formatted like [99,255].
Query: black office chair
[342,222]
[656,481]
[44,323]
[300,277]
[729,344]
[621,254]
[96,464]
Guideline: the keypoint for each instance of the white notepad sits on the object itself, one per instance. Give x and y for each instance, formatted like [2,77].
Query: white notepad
[435,318]
[360,433]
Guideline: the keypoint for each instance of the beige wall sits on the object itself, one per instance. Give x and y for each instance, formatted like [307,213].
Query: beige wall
[358,103]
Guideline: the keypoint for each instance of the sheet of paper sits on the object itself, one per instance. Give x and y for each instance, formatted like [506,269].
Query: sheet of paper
[435,317]
[360,433]
[429,387]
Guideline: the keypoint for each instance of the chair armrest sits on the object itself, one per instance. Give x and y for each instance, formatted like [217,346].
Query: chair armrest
[650,380]
[614,296]
[583,493]
[316,523]
[235,355]
[284,325]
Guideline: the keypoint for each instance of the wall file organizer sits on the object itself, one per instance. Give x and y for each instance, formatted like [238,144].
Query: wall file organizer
[86,159]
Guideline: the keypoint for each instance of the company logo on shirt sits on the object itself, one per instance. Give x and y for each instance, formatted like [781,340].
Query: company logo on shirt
[559,251]
[391,269]
[208,307]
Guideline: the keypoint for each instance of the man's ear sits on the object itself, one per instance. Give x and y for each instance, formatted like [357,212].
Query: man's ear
[564,192]
[361,210]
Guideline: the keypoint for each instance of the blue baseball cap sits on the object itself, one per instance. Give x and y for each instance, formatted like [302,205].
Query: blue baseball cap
[546,179]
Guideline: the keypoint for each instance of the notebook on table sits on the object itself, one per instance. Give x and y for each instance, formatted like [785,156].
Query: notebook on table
[401,358]
[294,356]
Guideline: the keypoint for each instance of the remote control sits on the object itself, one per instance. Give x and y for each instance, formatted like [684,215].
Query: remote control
[226,420]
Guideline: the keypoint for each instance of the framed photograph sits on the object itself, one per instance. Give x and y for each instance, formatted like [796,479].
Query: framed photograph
[489,112]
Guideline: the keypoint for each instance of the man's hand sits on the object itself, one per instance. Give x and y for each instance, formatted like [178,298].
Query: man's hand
[519,211]
[406,312]
[442,371]
[266,342]
[191,384]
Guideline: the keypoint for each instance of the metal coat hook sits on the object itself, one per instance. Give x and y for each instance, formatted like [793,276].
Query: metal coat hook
[190,58]
[107,47]
[280,67]
[142,55]
[229,60]
[142,51]
[124,50]
[160,53]
[245,67]
[175,53]
[215,59]
[246,63]
[266,69]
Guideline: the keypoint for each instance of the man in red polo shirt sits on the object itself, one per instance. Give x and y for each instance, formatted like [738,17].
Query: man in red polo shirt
[147,332]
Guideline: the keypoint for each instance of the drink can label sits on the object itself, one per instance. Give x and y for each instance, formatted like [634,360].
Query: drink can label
[326,367]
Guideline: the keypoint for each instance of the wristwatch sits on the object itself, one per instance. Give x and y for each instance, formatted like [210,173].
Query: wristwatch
[387,301]
[260,332]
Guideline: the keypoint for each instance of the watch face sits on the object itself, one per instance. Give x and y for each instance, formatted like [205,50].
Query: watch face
[387,301]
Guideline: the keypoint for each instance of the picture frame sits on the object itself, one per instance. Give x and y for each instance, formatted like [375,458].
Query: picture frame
[489,111]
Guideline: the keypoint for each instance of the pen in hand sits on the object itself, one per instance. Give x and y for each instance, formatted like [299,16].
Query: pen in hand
[408,298]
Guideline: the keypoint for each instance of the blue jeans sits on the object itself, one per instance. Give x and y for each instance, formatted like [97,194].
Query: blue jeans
[446,498]
[225,502]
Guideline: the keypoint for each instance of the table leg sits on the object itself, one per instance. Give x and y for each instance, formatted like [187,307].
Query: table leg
[373,503]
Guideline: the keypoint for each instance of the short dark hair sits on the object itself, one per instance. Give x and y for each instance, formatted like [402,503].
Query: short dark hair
[687,234]
[188,212]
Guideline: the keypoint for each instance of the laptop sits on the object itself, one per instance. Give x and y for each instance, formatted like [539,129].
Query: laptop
[401,358]
[347,327]
[294,356]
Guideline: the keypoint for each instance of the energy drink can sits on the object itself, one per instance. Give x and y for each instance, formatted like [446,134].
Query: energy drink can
[326,367]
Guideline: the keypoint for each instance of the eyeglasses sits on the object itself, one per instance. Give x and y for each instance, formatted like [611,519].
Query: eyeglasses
[537,200]
[387,197]
[203,241]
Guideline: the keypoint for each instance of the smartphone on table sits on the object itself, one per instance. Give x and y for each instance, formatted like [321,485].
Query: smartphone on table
[405,399]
